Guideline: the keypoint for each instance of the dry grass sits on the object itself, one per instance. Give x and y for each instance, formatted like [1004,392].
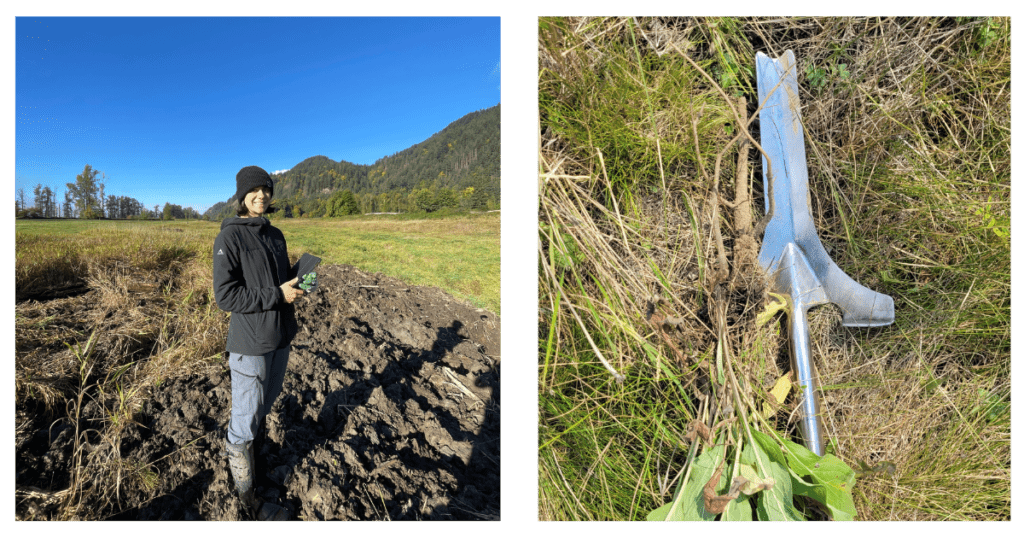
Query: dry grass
[142,312]
[907,133]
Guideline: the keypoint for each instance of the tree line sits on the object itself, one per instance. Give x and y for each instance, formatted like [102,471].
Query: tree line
[85,199]
[427,198]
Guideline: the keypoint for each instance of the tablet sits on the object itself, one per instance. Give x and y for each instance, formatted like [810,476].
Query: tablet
[307,276]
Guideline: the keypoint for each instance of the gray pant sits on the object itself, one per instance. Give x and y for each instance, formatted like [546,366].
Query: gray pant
[256,381]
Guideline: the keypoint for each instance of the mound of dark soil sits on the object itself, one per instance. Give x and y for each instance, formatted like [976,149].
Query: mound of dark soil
[390,410]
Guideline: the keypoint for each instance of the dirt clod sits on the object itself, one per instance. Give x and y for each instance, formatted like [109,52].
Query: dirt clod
[390,410]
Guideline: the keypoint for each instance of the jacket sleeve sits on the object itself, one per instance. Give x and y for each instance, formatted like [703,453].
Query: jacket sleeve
[229,283]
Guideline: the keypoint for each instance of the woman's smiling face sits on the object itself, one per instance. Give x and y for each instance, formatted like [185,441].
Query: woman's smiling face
[257,200]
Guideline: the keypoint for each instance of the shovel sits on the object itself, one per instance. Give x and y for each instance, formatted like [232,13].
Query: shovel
[791,252]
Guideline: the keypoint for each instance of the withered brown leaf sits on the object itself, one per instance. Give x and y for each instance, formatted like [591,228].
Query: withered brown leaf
[715,504]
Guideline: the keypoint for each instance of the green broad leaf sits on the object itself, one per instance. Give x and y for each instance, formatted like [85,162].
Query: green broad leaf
[800,458]
[755,482]
[825,479]
[775,504]
[747,460]
[840,507]
[660,513]
[689,503]
[738,510]
[768,445]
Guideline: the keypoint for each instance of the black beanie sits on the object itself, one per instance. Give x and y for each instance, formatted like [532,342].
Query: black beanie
[251,177]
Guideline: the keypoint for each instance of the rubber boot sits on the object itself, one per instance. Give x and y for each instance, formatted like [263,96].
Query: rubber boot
[240,459]
[261,438]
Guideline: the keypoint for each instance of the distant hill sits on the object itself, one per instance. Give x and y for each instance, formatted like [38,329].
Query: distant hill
[458,166]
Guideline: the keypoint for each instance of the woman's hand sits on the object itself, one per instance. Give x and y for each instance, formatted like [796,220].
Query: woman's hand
[290,291]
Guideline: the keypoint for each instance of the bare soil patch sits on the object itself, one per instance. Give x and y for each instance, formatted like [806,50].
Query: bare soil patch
[390,410]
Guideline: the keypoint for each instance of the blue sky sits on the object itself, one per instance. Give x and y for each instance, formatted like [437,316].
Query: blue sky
[169,109]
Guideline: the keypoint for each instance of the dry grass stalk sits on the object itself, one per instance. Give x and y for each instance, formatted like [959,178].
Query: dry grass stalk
[150,315]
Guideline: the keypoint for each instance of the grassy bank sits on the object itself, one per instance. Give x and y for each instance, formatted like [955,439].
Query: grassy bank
[906,123]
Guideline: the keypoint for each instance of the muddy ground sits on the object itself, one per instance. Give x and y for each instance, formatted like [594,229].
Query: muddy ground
[390,410]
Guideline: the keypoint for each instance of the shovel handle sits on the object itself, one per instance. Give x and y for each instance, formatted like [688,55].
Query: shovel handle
[806,379]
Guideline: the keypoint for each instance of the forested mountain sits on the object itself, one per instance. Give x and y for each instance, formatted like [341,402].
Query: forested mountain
[458,166]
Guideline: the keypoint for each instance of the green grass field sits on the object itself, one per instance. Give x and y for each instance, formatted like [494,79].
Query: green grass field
[460,255]
[907,133]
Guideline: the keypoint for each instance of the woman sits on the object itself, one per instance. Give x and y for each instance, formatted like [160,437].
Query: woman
[253,281]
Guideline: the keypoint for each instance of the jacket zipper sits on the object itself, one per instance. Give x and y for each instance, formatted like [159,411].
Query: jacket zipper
[270,256]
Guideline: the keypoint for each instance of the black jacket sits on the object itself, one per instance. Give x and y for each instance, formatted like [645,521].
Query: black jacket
[250,262]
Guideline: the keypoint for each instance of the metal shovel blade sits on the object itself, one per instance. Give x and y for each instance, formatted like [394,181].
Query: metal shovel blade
[791,252]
